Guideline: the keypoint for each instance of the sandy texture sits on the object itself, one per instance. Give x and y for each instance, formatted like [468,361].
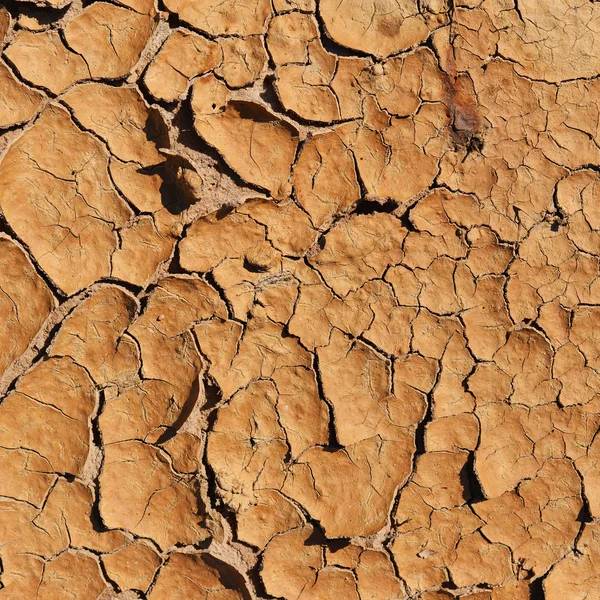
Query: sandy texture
[300,300]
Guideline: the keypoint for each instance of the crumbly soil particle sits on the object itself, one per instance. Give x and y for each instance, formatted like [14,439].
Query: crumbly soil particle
[299,299]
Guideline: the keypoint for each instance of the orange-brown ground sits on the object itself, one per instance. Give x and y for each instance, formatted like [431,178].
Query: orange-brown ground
[300,299]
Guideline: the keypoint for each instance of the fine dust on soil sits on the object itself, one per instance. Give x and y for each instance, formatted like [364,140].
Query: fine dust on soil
[299,299]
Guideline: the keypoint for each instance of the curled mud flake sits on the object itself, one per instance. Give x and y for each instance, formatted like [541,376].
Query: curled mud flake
[358,250]
[399,153]
[209,95]
[253,142]
[577,573]
[452,433]
[25,301]
[502,471]
[183,56]
[132,567]
[325,178]
[543,513]
[376,459]
[142,249]
[18,103]
[45,61]
[247,450]
[401,84]
[71,210]
[244,59]
[137,412]
[57,395]
[233,235]
[138,488]
[120,116]
[469,42]
[324,89]
[168,351]
[165,191]
[92,335]
[422,556]
[231,17]
[526,358]
[109,38]
[382,27]
[5,23]
[293,567]
[288,37]
[191,573]
[72,573]
[232,367]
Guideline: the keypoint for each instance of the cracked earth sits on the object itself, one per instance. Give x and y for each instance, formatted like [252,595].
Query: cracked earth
[300,299]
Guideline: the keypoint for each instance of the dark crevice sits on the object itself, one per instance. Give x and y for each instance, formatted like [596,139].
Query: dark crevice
[210,279]
[557,217]
[333,443]
[175,267]
[95,514]
[254,268]
[186,410]
[536,590]
[132,288]
[472,489]
[406,221]
[449,585]
[422,426]
[16,126]
[229,577]
[212,393]
[270,97]
[173,18]
[175,21]
[518,11]
[41,353]
[115,586]
[255,578]
[331,45]
[370,207]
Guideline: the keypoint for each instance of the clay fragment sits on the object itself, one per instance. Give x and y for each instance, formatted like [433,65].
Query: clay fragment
[110,38]
[26,301]
[192,572]
[229,17]
[44,60]
[381,28]
[243,60]
[255,143]
[19,103]
[183,56]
